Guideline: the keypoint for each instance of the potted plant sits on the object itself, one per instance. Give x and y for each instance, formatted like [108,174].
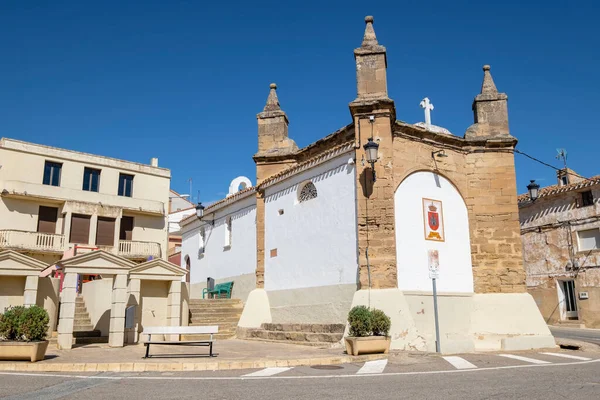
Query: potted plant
[23,332]
[369,331]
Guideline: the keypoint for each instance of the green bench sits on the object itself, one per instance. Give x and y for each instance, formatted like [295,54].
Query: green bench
[220,288]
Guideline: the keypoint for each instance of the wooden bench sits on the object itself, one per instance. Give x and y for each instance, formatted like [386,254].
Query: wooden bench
[219,288]
[180,330]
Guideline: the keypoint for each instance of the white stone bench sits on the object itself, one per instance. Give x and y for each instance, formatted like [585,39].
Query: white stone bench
[180,330]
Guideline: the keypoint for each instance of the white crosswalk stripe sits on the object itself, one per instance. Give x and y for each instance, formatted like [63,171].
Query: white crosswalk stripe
[568,356]
[373,367]
[268,371]
[459,363]
[525,359]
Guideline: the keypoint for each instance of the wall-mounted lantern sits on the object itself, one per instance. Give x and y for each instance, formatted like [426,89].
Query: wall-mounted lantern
[534,190]
[371,150]
[199,210]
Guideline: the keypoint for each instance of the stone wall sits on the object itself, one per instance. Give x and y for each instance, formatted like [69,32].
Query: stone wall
[551,254]
[485,177]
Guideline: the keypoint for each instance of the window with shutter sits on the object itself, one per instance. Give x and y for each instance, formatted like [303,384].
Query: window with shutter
[47,218]
[587,198]
[105,232]
[80,229]
[52,172]
[125,185]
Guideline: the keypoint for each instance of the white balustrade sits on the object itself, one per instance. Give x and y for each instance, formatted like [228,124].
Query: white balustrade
[135,249]
[14,239]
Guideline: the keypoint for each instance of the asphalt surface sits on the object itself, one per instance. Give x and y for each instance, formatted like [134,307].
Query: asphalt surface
[585,335]
[530,375]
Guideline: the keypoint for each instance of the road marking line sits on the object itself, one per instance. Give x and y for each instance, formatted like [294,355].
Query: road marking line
[301,377]
[373,367]
[567,356]
[459,363]
[526,359]
[269,371]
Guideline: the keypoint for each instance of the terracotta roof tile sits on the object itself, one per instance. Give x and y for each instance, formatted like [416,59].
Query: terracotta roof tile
[556,189]
[305,164]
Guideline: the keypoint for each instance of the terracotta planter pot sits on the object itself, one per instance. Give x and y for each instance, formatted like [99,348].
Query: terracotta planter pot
[367,345]
[34,351]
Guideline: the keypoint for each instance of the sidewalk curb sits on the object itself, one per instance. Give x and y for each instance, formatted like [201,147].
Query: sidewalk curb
[178,366]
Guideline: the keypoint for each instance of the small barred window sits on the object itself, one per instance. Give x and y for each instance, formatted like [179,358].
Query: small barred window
[308,192]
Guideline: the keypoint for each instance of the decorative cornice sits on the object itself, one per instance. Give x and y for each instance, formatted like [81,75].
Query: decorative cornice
[311,162]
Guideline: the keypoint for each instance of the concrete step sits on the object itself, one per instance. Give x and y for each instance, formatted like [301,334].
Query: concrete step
[324,345]
[570,324]
[222,328]
[218,307]
[215,320]
[216,336]
[285,336]
[81,314]
[90,340]
[308,328]
[216,313]
[83,328]
[82,340]
[215,301]
[82,322]
[88,333]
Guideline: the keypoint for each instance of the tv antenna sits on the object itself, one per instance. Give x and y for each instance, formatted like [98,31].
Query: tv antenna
[562,155]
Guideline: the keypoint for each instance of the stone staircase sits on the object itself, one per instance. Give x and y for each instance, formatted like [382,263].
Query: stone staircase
[225,313]
[83,331]
[573,323]
[322,335]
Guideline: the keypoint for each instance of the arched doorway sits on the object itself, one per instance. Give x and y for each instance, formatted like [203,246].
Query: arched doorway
[431,215]
[188,268]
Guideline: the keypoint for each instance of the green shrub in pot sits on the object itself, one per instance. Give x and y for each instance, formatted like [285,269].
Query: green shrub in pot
[359,319]
[9,323]
[33,324]
[380,323]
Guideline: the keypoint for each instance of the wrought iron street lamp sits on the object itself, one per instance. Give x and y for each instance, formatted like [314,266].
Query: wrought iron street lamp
[199,210]
[371,150]
[534,190]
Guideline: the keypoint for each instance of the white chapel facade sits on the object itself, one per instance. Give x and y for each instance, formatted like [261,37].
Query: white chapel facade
[322,230]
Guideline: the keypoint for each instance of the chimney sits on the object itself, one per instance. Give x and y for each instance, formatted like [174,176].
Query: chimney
[489,110]
[154,161]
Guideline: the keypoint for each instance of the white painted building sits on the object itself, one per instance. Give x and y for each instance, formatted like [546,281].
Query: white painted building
[223,245]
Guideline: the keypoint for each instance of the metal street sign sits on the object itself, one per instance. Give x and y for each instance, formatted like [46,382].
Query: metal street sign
[434,264]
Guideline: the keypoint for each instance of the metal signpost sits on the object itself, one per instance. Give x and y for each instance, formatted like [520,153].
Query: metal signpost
[434,274]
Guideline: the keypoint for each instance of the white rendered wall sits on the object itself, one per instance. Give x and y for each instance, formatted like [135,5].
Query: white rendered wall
[411,247]
[218,261]
[176,216]
[315,240]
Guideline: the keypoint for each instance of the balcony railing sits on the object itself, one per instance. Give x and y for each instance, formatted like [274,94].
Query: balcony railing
[34,241]
[133,249]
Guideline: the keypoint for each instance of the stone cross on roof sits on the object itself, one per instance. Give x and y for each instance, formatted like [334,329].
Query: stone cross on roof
[427,106]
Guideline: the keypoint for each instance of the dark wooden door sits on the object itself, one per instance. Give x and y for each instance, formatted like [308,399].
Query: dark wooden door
[126,228]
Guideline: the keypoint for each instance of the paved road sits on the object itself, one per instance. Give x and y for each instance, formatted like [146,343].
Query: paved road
[585,335]
[520,375]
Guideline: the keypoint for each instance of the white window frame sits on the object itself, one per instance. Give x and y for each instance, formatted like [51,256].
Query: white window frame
[201,242]
[579,247]
[228,232]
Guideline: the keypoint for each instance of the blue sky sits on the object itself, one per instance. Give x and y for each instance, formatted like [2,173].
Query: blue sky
[184,80]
